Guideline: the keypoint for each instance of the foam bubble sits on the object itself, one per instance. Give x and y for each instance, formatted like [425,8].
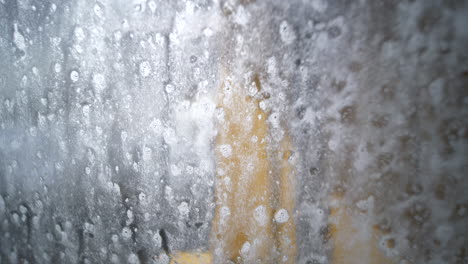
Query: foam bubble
[145,69]
[74,76]
[287,33]
[260,215]
[126,233]
[183,209]
[226,150]
[281,216]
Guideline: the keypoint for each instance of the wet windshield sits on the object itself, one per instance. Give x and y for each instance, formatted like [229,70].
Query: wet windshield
[233,131]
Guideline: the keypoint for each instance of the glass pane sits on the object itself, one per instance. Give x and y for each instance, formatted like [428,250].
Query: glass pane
[233,131]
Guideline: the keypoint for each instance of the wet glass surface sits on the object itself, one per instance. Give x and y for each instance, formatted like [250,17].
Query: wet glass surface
[257,131]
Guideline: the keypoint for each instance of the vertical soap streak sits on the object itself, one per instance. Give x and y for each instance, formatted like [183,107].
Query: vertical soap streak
[243,227]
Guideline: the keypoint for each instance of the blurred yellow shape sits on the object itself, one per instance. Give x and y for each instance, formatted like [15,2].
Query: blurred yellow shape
[355,241]
[246,196]
[191,258]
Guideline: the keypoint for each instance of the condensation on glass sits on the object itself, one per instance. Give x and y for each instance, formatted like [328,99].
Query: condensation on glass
[112,114]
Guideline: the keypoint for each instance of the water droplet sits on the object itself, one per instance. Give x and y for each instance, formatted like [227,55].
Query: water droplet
[2,206]
[170,88]
[145,68]
[176,171]
[130,216]
[226,150]
[224,212]
[57,67]
[152,6]
[133,259]
[126,233]
[98,10]
[18,38]
[334,32]
[23,209]
[287,33]
[74,76]
[254,139]
[260,215]
[208,32]
[79,34]
[245,248]
[15,218]
[157,240]
[114,259]
[99,82]
[183,209]
[319,5]
[137,8]
[281,216]
[147,153]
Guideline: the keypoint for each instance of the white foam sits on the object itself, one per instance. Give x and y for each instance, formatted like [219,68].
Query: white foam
[133,259]
[287,34]
[260,215]
[18,38]
[319,5]
[126,233]
[184,209]
[226,150]
[281,216]
[99,82]
[74,76]
[245,248]
[145,68]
